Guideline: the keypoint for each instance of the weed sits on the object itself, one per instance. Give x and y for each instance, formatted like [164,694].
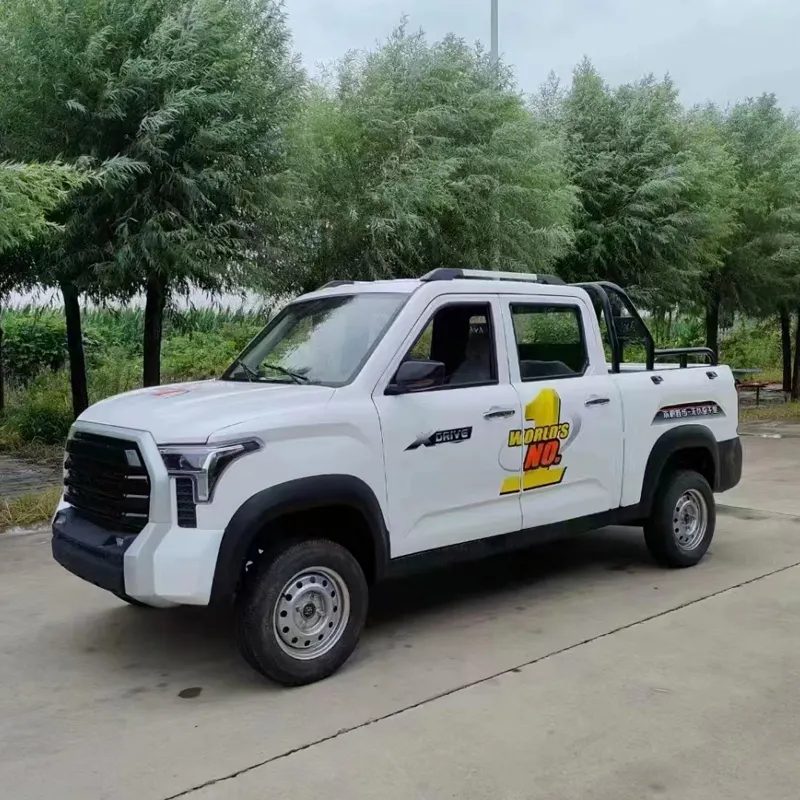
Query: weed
[29,509]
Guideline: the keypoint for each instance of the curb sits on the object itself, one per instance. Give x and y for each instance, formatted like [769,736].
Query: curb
[23,531]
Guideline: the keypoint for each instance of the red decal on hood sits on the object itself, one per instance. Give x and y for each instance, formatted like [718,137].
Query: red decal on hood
[169,392]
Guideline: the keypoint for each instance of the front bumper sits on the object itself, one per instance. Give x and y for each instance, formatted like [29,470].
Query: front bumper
[90,552]
[162,565]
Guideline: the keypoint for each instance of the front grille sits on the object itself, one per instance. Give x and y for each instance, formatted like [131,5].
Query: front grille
[187,510]
[106,482]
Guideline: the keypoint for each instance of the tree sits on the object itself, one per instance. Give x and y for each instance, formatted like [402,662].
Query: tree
[415,156]
[652,205]
[761,273]
[184,102]
[720,194]
[29,193]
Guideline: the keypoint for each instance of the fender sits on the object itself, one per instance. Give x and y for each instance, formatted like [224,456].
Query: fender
[284,498]
[669,443]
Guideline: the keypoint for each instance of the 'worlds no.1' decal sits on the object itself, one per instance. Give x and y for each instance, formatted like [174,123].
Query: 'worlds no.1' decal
[544,443]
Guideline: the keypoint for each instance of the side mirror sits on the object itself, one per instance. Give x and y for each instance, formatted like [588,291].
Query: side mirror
[416,376]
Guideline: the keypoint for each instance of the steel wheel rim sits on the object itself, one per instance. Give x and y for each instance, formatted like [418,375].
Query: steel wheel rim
[690,519]
[311,613]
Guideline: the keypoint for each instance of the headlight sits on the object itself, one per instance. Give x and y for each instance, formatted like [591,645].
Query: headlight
[204,464]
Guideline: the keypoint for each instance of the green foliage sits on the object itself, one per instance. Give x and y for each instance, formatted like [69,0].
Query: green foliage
[761,270]
[418,155]
[179,107]
[33,343]
[198,357]
[28,194]
[654,189]
[43,414]
[199,344]
[171,144]
[180,103]
[752,344]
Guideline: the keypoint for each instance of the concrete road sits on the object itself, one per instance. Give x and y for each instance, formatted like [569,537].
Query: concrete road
[771,476]
[575,671]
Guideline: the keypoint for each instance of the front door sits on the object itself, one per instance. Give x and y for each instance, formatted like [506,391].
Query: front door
[571,433]
[445,448]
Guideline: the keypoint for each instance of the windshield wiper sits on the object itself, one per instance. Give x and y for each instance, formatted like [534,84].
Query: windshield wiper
[295,376]
[252,375]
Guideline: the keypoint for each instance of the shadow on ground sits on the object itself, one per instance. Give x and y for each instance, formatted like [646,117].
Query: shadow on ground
[200,640]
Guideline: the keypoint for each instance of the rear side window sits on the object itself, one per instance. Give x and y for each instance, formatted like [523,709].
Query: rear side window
[549,341]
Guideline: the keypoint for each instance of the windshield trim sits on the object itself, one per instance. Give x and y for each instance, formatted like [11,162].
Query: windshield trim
[276,320]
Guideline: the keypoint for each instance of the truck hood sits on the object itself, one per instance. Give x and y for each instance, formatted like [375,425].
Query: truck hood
[193,412]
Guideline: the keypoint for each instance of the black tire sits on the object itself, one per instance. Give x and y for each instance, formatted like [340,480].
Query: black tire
[260,642]
[662,530]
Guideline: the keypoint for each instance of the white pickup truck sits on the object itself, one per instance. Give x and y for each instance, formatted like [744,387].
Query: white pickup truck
[372,426]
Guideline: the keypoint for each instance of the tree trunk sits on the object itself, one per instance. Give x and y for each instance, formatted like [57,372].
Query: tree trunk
[786,348]
[796,377]
[77,359]
[712,322]
[2,369]
[156,298]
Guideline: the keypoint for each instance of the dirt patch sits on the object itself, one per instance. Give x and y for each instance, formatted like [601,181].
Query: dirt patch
[20,477]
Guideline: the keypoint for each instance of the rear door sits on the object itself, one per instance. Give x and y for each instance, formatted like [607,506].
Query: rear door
[571,434]
[444,448]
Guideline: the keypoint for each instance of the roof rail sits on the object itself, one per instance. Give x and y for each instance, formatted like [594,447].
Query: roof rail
[331,284]
[450,274]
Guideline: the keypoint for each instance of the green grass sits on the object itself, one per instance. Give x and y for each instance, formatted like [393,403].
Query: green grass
[29,510]
[774,412]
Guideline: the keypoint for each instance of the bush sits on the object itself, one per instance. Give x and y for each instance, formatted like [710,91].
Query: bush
[112,327]
[197,357]
[43,413]
[35,341]
[752,344]
[116,371]
[32,343]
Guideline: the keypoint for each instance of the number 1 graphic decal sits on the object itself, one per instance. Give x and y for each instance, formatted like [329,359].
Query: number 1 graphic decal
[542,441]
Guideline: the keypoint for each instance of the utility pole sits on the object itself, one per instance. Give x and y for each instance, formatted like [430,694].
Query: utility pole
[494,54]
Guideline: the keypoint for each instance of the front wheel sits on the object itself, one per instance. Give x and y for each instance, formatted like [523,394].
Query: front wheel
[302,612]
[682,522]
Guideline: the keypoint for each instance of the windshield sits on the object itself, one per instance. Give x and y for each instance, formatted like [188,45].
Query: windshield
[324,341]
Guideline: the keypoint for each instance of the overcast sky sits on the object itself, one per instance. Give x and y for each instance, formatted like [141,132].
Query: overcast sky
[721,50]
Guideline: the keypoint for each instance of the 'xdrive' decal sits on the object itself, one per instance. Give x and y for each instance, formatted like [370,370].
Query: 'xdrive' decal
[441,437]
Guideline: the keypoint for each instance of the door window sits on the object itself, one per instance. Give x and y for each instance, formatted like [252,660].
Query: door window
[549,340]
[462,338]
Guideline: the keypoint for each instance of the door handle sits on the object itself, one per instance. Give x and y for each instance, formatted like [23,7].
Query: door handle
[598,401]
[498,412]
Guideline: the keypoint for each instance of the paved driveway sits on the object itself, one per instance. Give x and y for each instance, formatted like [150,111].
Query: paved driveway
[575,671]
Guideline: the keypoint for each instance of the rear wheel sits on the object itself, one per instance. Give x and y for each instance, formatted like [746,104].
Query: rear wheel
[683,519]
[301,614]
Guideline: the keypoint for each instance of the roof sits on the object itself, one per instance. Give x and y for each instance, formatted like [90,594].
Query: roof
[443,274]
